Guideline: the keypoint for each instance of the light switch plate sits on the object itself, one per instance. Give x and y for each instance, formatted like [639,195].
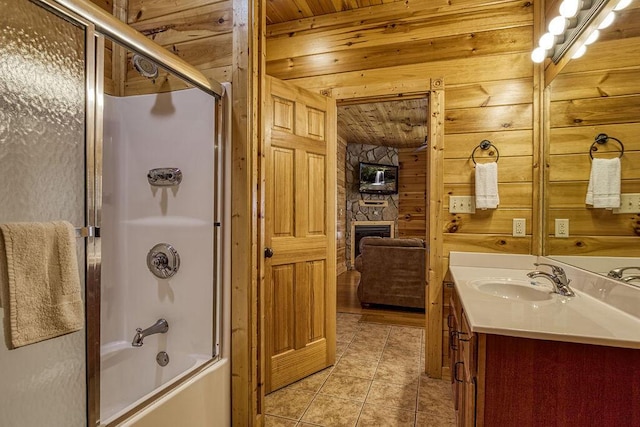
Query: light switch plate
[519,227]
[629,203]
[562,227]
[462,204]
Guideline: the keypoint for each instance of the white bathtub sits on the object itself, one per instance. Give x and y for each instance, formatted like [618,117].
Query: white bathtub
[121,364]
[202,401]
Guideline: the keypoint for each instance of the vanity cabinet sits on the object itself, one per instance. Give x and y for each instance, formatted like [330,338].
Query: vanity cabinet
[463,362]
[501,380]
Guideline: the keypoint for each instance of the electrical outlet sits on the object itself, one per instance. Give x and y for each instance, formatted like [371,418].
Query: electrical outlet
[519,227]
[562,227]
[629,203]
[462,204]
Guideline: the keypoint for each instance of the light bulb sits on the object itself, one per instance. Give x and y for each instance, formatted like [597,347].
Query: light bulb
[538,55]
[593,37]
[607,21]
[579,52]
[557,25]
[547,41]
[622,4]
[570,8]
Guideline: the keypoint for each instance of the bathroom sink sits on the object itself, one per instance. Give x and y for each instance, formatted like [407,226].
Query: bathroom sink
[518,290]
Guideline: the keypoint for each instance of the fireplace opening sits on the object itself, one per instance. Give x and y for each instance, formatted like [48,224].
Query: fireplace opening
[369,230]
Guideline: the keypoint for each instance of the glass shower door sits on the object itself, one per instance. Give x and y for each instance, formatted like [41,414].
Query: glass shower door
[43,176]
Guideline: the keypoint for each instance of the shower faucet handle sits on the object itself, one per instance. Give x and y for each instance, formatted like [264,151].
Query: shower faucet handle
[164,177]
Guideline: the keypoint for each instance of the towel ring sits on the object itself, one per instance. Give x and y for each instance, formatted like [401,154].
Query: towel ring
[603,138]
[484,145]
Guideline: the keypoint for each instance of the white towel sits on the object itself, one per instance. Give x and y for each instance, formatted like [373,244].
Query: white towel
[40,283]
[487,186]
[604,184]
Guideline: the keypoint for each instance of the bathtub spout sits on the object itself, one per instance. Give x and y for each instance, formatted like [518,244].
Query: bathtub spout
[160,327]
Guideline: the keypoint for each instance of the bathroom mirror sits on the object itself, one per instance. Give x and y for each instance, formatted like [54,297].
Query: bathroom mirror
[598,93]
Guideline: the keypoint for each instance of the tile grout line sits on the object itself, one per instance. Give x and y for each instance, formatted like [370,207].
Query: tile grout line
[374,376]
[317,392]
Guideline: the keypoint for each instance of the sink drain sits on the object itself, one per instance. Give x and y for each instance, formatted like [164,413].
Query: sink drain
[162,358]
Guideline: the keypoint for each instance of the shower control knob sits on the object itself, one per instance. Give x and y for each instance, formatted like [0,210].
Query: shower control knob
[163,261]
[268,252]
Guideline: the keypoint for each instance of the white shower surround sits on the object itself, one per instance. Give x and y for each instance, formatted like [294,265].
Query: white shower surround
[141,133]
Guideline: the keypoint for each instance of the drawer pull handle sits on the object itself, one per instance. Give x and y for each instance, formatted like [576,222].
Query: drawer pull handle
[455,371]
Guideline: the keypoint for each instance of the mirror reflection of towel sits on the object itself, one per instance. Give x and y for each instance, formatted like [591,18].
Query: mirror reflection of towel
[487,186]
[604,184]
[40,282]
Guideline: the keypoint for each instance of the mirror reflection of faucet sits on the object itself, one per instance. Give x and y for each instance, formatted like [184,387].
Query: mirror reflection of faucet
[617,273]
[160,327]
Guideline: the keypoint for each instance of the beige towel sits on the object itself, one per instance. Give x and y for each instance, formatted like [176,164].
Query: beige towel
[39,281]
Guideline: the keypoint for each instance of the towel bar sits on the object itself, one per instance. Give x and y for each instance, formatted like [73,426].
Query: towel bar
[603,138]
[89,231]
[484,145]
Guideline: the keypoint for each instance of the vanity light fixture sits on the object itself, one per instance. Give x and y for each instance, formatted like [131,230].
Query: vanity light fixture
[574,19]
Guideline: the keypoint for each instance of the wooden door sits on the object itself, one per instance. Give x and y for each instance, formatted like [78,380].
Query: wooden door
[300,218]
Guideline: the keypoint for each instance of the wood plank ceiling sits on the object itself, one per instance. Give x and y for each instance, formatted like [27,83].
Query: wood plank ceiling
[289,10]
[398,123]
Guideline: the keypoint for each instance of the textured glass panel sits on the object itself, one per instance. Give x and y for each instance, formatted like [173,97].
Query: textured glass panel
[42,173]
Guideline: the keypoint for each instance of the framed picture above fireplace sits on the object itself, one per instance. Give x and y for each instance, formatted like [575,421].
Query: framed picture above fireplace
[378,179]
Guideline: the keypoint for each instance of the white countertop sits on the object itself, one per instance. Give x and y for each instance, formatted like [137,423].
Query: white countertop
[581,319]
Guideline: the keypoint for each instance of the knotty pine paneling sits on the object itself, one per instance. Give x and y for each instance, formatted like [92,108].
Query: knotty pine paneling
[412,180]
[198,31]
[397,48]
[341,201]
[598,93]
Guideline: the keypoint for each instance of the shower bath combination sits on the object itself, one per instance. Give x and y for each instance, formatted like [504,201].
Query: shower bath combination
[104,134]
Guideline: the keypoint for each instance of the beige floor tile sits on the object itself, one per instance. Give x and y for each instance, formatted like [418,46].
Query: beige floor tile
[271,421]
[397,372]
[402,396]
[406,333]
[332,411]
[406,352]
[313,382]
[436,418]
[434,393]
[347,387]
[345,337]
[381,416]
[375,328]
[340,348]
[356,367]
[360,348]
[287,403]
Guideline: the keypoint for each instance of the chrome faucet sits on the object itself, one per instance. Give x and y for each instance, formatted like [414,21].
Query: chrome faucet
[558,279]
[631,277]
[160,327]
[616,273]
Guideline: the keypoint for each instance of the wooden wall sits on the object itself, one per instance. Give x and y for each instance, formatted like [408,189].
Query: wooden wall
[198,31]
[341,202]
[480,48]
[412,180]
[598,93]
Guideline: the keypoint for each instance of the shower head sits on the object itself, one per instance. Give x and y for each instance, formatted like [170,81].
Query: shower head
[145,67]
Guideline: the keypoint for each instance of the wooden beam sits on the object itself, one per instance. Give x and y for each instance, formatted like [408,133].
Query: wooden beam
[435,180]
[245,396]
[415,51]
[349,40]
[404,11]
